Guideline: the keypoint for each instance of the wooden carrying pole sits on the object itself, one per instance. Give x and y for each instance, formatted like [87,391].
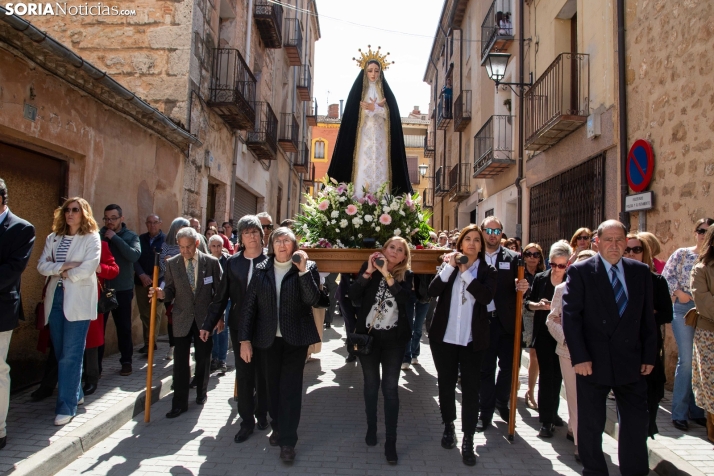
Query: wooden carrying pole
[152,327]
[516,356]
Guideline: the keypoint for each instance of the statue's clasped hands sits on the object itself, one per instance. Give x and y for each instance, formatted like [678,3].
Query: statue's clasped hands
[369,105]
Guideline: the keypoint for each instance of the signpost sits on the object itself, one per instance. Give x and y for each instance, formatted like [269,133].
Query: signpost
[640,167]
[641,201]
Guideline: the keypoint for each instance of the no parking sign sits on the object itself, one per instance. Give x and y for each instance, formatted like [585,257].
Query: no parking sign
[640,165]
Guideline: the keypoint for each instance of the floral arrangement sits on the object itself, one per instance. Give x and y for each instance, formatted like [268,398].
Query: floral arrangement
[338,218]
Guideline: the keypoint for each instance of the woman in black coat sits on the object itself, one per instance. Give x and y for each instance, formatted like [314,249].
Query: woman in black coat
[278,322]
[459,334]
[383,291]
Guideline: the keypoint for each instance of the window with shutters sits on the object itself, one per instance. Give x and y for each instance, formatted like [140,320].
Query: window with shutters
[320,149]
[244,203]
[413,167]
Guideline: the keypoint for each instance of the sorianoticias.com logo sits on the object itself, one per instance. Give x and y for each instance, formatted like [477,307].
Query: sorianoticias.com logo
[86,9]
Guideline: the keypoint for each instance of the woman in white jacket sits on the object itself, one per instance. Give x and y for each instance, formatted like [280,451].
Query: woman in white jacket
[555,327]
[70,261]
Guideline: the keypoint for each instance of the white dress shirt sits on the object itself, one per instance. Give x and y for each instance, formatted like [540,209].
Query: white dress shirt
[491,259]
[458,329]
[4,214]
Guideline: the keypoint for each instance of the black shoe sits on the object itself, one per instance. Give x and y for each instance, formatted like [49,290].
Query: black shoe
[273,439]
[700,421]
[577,455]
[557,421]
[89,389]
[546,431]
[262,423]
[570,437]
[214,365]
[3,442]
[328,325]
[390,451]
[175,412]
[144,350]
[504,412]
[201,400]
[448,440]
[482,425]
[350,358]
[41,393]
[467,450]
[243,435]
[371,438]
[287,454]
[192,383]
[222,367]
[681,425]
[125,370]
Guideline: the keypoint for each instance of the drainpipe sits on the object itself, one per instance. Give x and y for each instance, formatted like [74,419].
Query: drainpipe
[237,148]
[521,66]
[249,32]
[622,110]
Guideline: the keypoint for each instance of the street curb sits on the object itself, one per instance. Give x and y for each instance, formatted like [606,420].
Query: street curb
[661,460]
[49,461]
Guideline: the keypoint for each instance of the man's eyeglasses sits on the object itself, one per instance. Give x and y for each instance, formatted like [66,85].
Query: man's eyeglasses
[492,231]
[110,219]
[701,231]
[559,266]
[268,227]
[528,254]
[152,223]
[583,238]
[72,209]
[636,250]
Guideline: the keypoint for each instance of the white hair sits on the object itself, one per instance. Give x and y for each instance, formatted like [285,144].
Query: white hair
[217,238]
[187,232]
[560,249]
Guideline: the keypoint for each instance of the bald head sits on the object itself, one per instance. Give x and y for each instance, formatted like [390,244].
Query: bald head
[153,225]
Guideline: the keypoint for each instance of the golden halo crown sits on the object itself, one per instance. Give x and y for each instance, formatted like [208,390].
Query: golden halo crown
[373,55]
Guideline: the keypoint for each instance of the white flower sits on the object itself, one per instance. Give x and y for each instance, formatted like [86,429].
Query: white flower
[333,222]
[402,213]
[343,223]
[334,214]
[368,218]
[408,230]
[304,227]
[376,228]
[359,236]
[338,230]
[387,209]
[397,232]
[342,199]
[356,221]
[421,217]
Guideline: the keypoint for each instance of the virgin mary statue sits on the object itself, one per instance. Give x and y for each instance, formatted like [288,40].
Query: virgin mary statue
[369,150]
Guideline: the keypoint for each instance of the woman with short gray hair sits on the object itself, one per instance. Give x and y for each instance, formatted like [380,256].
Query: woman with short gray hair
[169,249]
[551,377]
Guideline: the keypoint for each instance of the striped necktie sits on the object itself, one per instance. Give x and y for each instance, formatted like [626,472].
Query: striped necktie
[618,288]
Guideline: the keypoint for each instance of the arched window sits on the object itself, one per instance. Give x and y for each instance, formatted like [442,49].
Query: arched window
[319,149]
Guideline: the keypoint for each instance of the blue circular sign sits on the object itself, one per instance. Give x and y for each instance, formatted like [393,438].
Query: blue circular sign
[640,165]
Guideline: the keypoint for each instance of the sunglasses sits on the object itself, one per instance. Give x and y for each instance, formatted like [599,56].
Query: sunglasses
[267,227]
[72,209]
[492,231]
[636,250]
[528,254]
[583,238]
[701,231]
[559,266]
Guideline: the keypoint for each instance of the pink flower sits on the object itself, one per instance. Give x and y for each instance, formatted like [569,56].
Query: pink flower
[323,205]
[357,199]
[385,219]
[351,210]
[341,188]
[370,199]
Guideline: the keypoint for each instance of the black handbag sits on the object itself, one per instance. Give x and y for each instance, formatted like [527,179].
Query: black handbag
[359,344]
[324,302]
[107,300]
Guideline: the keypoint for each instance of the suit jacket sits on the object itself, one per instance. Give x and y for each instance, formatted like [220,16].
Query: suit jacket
[298,295]
[505,297]
[482,289]
[190,307]
[234,286]
[540,288]
[145,263]
[595,332]
[17,237]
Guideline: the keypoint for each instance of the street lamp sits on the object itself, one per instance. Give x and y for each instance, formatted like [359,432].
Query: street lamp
[422,170]
[496,64]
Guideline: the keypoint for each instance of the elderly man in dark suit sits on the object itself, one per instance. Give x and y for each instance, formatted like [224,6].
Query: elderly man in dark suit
[17,237]
[609,325]
[191,281]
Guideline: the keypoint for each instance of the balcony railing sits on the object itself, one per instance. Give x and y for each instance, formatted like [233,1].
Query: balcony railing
[232,93]
[497,28]
[413,141]
[493,147]
[301,160]
[289,132]
[558,102]
[309,178]
[445,111]
[459,181]
[429,149]
[269,20]
[263,140]
[462,111]
[440,187]
[293,41]
[427,198]
[304,83]
[311,116]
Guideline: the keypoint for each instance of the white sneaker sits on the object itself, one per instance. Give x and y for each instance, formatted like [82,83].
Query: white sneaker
[61,420]
[170,354]
[415,361]
[405,366]
[81,401]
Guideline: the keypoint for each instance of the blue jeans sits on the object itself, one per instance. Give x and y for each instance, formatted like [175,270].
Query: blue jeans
[220,341]
[414,345]
[68,340]
[683,406]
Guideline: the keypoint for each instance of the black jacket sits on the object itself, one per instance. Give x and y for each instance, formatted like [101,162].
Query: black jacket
[364,291]
[145,263]
[234,286]
[663,315]
[17,237]
[482,289]
[541,288]
[505,297]
[298,295]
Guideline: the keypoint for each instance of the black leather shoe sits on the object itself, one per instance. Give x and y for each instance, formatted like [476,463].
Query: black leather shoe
[350,358]
[274,438]
[144,350]
[371,438]
[175,412]
[3,442]
[89,389]
[262,423]
[700,421]
[503,412]
[467,451]
[545,431]
[557,421]
[681,425]
[41,393]
[328,325]
[125,370]
[287,454]
[482,425]
[192,383]
[201,400]
[243,435]
[570,437]
[390,451]
[448,440]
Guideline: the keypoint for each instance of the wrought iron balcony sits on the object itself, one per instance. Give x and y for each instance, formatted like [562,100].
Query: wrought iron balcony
[459,181]
[429,149]
[413,141]
[304,83]
[445,111]
[440,188]
[232,93]
[462,111]
[493,147]
[497,28]
[289,132]
[427,198]
[269,20]
[309,178]
[311,116]
[293,41]
[263,140]
[558,102]
[301,159]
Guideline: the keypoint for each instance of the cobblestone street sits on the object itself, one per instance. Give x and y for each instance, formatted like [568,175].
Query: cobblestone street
[331,433]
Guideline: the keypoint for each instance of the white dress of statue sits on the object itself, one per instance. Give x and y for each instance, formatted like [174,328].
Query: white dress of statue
[372,168]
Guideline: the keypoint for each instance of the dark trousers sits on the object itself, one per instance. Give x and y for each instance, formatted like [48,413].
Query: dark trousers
[252,394]
[91,365]
[551,378]
[182,366]
[283,365]
[631,402]
[331,284]
[347,309]
[122,321]
[447,360]
[496,391]
[387,352]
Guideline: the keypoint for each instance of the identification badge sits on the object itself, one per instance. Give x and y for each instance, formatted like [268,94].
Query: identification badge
[504,265]
[208,280]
